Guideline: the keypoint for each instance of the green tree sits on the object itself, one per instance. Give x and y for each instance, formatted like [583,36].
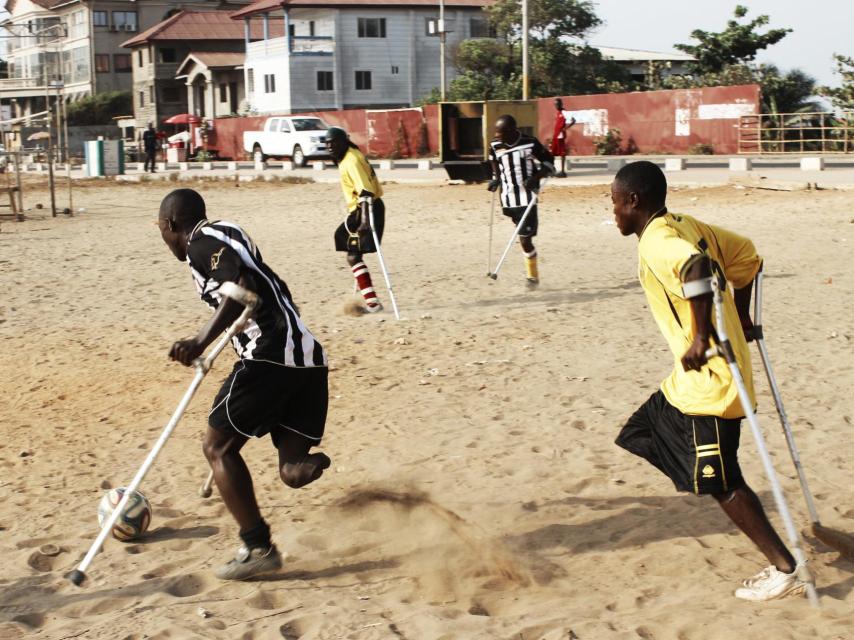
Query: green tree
[843,95]
[100,109]
[491,69]
[737,44]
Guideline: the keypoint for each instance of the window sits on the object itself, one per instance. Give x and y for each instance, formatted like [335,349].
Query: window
[102,63]
[324,81]
[223,92]
[363,80]
[100,19]
[124,20]
[311,28]
[250,82]
[152,97]
[395,70]
[168,55]
[121,62]
[431,27]
[139,58]
[292,30]
[372,27]
[284,127]
[269,83]
[170,94]
[142,98]
[480,28]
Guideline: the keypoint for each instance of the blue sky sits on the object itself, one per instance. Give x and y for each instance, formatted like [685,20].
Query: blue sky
[821,28]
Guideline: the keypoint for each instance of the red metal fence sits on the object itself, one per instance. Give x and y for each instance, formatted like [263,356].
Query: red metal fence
[649,122]
[656,121]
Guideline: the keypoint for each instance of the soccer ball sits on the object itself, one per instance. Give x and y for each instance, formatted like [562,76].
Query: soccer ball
[133,522]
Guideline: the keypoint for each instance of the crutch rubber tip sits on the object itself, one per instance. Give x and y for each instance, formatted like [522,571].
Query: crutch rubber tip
[205,492]
[76,577]
[494,276]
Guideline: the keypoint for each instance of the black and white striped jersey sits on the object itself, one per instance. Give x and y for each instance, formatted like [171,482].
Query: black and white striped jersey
[220,252]
[516,163]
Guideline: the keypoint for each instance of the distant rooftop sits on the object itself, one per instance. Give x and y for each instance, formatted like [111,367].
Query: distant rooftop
[195,25]
[620,54]
[266,6]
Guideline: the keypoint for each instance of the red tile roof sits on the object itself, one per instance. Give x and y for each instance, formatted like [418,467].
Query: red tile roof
[195,25]
[266,6]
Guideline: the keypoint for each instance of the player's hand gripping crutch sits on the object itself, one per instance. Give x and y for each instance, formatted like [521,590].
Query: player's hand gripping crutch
[838,540]
[202,365]
[724,349]
[535,197]
[381,259]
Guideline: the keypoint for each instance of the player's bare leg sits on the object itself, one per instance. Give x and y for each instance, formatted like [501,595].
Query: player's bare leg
[298,467]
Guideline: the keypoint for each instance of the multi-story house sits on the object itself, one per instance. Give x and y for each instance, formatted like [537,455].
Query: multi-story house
[188,63]
[78,43]
[358,53]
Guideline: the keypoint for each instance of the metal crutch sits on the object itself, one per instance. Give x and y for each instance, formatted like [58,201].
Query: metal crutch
[491,220]
[202,365]
[528,209]
[840,541]
[382,261]
[724,349]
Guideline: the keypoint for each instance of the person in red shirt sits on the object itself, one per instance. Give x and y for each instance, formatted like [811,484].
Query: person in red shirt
[559,148]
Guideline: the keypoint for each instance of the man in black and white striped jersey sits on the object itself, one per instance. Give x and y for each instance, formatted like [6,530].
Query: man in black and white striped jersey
[278,385]
[519,162]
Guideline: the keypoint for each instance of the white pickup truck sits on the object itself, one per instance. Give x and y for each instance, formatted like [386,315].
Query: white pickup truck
[299,137]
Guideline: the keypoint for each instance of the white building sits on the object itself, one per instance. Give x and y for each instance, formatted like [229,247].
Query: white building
[637,61]
[338,54]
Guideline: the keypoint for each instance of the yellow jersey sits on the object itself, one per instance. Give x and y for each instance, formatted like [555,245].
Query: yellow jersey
[357,175]
[666,245]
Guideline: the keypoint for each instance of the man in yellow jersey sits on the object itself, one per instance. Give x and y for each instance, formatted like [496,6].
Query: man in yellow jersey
[361,190]
[689,429]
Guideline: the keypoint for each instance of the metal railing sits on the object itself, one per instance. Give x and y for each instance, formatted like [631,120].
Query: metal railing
[11,84]
[796,133]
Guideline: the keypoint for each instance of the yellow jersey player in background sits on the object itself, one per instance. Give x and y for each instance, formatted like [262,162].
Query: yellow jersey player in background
[362,190]
[689,429]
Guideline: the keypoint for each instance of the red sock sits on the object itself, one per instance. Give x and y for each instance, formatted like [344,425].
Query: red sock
[363,281]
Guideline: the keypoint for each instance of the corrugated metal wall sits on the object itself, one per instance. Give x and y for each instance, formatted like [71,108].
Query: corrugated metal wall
[649,122]
[656,121]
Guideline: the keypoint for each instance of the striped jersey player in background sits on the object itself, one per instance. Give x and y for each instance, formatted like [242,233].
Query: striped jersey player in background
[519,162]
[361,190]
[278,385]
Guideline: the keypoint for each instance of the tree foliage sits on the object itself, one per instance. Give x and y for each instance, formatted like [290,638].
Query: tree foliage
[100,109]
[491,69]
[737,44]
[843,95]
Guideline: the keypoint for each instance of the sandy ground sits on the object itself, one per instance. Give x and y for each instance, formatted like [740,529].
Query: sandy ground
[475,491]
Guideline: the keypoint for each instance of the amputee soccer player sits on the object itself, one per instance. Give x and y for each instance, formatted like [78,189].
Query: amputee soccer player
[519,162]
[362,190]
[278,385]
[689,429]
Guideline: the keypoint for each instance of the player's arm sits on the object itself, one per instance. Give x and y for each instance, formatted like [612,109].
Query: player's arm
[546,168]
[185,351]
[697,287]
[365,202]
[741,263]
[495,181]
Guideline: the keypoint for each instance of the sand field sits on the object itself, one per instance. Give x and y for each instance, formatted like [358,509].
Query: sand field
[475,490]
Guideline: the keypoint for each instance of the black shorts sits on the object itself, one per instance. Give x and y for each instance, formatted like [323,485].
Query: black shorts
[532,222]
[698,453]
[258,398]
[366,240]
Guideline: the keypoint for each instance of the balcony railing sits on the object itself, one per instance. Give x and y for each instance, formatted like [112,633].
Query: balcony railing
[13,84]
[299,44]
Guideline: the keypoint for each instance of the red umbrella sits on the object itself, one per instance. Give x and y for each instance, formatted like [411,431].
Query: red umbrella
[183,118]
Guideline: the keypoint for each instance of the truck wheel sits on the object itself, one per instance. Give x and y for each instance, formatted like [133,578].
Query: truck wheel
[298,156]
[257,154]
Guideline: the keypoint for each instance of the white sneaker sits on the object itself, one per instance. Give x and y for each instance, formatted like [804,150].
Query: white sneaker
[770,584]
[374,308]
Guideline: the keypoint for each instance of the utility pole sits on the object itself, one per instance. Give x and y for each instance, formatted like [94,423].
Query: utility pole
[524,49]
[442,47]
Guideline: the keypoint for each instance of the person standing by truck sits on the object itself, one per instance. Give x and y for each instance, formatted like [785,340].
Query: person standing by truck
[363,192]
[149,145]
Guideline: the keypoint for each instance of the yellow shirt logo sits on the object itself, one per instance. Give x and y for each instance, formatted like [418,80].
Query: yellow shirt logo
[215,259]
